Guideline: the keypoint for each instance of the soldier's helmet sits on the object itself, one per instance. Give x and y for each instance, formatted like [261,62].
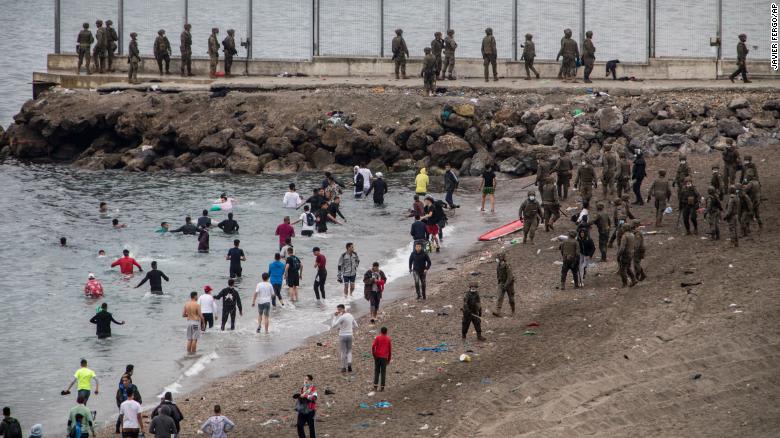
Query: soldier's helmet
[489,31]
[188,26]
[437,34]
[608,147]
[599,205]
[133,35]
[662,172]
[567,32]
[531,193]
[617,201]
[109,22]
[231,31]
[687,179]
[451,32]
[161,32]
[636,223]
[427,50]
[85,25]
[625,227]
[682,157]
[399,32]
[572,234]
[528,37]
[589,34]
[711,190]
[99,23]
[214,30]
[716,167]
[742,36]
[624,197]
[502,256]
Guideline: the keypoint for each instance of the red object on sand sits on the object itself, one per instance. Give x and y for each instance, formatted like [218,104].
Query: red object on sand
[220,74]
[533,324]
[502,231]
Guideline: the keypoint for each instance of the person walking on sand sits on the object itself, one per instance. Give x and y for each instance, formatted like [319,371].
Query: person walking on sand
[347,269]
[126,387]
[83,379]
[306,406]
[373,286]
[93,288]
[126,264]
[488,188]
[472,312]
[208,307]
[132,421]
[194,319]
[321,274]
[155,278]
[163,425]
[174,411]
[80,420]
[506,284]
[451,183]
[218,425]
[345,323]
[293,273]
[382,350]
[9,426]
[419,264]
[103,320]
[265,293]
[276,274]
[230,301]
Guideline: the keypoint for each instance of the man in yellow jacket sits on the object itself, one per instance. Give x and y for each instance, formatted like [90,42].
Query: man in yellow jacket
[422,182]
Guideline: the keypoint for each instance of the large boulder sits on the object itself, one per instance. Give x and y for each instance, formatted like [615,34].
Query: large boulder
[26,143]
[610,120]
[456,123]
[738,102]
[479,162]
[387,150]
[278,146]
[771,105]
[585,131]
[257,135]
[138,159]
[218,142]
[418,140]
[666,140]
[709,135]
[474,138]
[744,114]
[633,129]
[531,117]
[206,161]
[642,115]
[546,130]
[321,158]
[332,136]
[243,160]
[667,126]
[507,116]
[764,120]
[512,166]
[730,127]
[450,149]
[506,147]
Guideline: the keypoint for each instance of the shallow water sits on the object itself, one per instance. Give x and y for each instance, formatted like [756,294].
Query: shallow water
[46,329]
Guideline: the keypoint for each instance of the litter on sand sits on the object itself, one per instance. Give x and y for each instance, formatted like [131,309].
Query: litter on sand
[434,349]
[270,422]
[529,333]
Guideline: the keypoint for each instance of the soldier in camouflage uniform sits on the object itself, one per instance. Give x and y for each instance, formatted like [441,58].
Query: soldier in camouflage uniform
[449,55]
[84,45]
[213,52]
[100,51]
[689,205]
[400,53]
[133,59]
[639,250]
[529,54]
[742,52]
[716,181]
[588,55]
[683,171]
[753,191]
[608,171]
[550,204]
[585,181]
[623,175]
[712,211]
[530,213]
[428,72]
[661,191]
[489,53]
[731,160]
[162,52]
[113,41]
[472,312]
[229,50]
[562,169]
[603,223]
[749,169]
[186,50]
[731,215]
[569,52]
[745,210]
[506,285]
[625,255]
[621,213]
[570,255]
[437,45]
[542,171]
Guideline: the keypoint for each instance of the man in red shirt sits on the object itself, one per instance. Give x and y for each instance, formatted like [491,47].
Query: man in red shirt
[382,350]
[126,264]
[285,230]
[321,273]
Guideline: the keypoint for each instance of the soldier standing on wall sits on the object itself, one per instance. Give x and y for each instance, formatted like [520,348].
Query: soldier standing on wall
[570,52]
[400,53]
[229,49]
[588,55]
[742,52]
[489,53]
[429,72]
[449,55]
[100,51]
[162,52]
[84,41]
[113,40]
[437,45]
[186,50]
[529,53]
[133,58]
[213,52]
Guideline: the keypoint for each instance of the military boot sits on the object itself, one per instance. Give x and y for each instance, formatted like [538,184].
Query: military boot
[512,306]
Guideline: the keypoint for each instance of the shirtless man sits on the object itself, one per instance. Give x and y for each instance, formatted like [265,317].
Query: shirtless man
[194,318]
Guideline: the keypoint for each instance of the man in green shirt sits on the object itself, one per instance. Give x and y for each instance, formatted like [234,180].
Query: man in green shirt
[83,379]
[86,418]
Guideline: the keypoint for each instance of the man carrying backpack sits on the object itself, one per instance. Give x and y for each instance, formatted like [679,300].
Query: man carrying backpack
[10,427]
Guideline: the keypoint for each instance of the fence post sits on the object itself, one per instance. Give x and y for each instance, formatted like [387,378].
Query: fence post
[57,26]
[381,28]
[315,28]
[514,30]
[249,30]
[447,20]
[650,29]
[582,21]
[186,11]
[120,26]
[719,34]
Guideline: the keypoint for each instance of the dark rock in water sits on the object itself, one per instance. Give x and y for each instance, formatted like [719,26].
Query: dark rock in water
[217,142]
[242,159]
[27,144]
[206,161]
[139,159]
[277,146]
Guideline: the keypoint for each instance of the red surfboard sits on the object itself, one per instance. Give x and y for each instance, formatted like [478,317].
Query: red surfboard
[502,231]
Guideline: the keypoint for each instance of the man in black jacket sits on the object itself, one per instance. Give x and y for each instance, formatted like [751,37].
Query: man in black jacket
[379,187]
[175,413]
[126,387]
[638,174]
[419,263]
[103,320]
[230,301]
[450,185]
[229,225]
[155,278]
[187,228]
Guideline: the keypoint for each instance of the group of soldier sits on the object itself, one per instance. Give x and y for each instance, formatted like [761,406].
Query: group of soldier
[736,201]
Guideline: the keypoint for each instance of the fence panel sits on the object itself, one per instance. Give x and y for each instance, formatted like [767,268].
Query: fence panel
[350,28]
[224,14]
[146,17]
[546,20]
[419,19]
[619,29]
[74,13]
[750,17]
[469,20]
[282,29]
[683,29]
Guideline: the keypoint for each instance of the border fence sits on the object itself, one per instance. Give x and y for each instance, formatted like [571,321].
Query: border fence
[630,30]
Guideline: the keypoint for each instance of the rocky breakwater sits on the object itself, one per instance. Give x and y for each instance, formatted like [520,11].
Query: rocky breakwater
[293,131]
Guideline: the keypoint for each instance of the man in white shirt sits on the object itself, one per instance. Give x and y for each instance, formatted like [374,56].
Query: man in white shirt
[263,295]
[208,307]
[130,414]
[345,322]
[292,199]
[307,221]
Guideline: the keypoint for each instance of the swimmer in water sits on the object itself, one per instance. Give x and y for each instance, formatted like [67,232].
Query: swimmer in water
[126,264]
[229,225]
[115,223]
[164,227]
[101,253]
[103,320]
[103,208]
[93,288]
[203,240]
[63,241]
[155,278]
[204,221]
[188,227]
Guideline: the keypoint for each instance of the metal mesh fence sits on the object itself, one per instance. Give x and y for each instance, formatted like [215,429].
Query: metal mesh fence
[350,27]
[619,29]
[751,17]
[469,19]
[546,20]
[224,15]
[146,17]
[282,29]
[418,19]
[74,13]
[683,29]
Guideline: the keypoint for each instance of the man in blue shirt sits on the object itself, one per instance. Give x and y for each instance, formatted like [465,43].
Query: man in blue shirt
[276,272]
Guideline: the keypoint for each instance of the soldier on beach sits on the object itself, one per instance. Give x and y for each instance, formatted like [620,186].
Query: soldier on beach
[84,41]
[749,169]
[400,53]
[570,52]
[428,72]
[731,160]
[661,191]
[542,170]
[609,169]
[625,256]
[742,52]
[489,53]
[689,205]
[100,51]
[213,52]
[530,214]
[639,250]
[113,41]
[133,58]
[585,181]
[570,254]
[449,55]
[229,50]
[623,176]
[506,284]
[472,312]
[683,172]
[550,204]
[745,210]
[621,213]
[529,53]
[186,50]
[562,169]
[437,45]
[731,215]
[588,55]
[712,211]
[603,223]
[162,52]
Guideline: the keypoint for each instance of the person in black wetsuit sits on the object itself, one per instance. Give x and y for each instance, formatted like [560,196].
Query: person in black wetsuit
[103,319]
[204,221]
[379,187]
[323,216]
[155,278]
[229,225]
[230,301]
[236,256]
[315,200]
[187,228]
[334,208]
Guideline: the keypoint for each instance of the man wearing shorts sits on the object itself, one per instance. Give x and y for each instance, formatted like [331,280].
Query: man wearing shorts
[488,188]
[194,318]
[83,379]
[263,295]
[293,272]
[276,273]
[347,269]
[434,216]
